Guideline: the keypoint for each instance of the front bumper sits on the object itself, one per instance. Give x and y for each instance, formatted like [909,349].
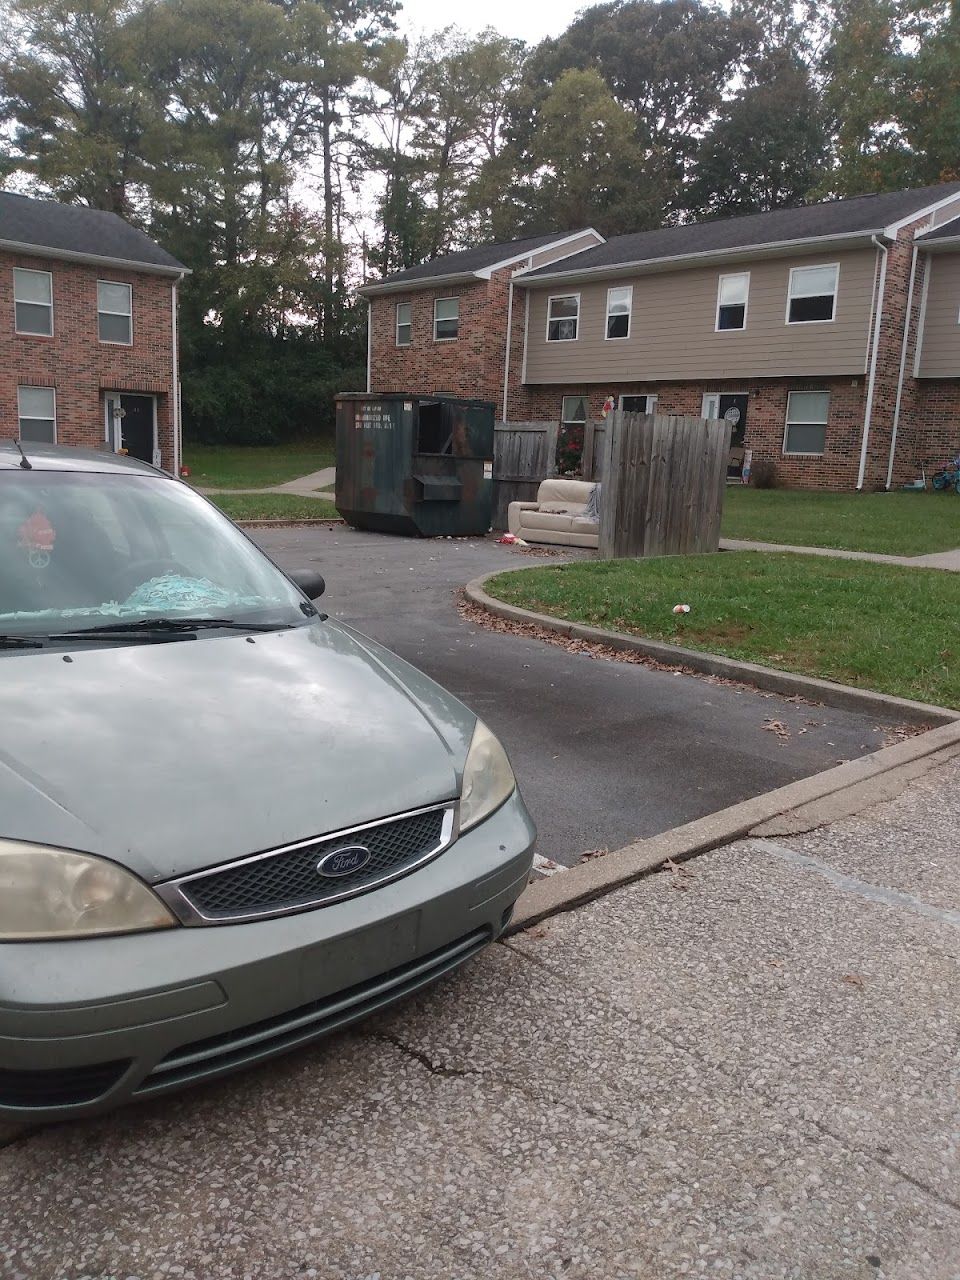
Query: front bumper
[91,1024]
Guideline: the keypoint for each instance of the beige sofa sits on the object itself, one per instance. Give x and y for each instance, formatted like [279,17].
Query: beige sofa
[556,516]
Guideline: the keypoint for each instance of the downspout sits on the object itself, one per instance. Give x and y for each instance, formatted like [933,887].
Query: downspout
[871,382]
[175,388]
[506,359]
[369,343]
[903,365]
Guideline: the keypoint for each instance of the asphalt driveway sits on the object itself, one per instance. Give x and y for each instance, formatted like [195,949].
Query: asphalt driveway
[606,752]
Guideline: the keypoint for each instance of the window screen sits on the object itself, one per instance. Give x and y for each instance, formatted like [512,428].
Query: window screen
[33,301]
[732,301]
[813,294]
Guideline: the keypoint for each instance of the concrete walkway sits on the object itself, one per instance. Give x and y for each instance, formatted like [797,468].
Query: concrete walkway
[303,486]
[744,1066]
[948,560]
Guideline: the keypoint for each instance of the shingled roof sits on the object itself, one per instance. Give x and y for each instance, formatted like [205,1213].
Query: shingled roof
[858,215]
[466,262]
[946,233]
[76,232]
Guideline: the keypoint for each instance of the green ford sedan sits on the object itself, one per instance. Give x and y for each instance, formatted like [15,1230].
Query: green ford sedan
[228,824]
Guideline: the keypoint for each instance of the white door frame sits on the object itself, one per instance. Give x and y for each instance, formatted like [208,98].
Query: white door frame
[115,438]
[715,395]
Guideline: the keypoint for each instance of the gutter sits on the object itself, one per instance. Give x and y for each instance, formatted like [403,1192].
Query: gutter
[506,357]
[846,239]
[871,382]
[175,416]
[95,259]
[369,344]
[421,282]
[903,365]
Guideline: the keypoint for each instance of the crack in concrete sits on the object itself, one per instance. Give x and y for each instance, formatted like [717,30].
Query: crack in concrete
[769,1098]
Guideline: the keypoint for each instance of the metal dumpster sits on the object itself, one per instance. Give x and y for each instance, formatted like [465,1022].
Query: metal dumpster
[420,465]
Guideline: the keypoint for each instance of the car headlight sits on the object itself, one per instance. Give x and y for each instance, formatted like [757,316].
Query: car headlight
[487,778]
[53,893]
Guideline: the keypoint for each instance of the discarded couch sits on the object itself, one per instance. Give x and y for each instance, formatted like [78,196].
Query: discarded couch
[566,512]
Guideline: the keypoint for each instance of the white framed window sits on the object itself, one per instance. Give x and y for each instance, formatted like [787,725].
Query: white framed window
[563,317]
[638,404]
[733,292]
[404,324]
[37,411]
[619,307]
[806,426]
[33,301]
[115,313]
[446,319]
[812,294]
[573,411]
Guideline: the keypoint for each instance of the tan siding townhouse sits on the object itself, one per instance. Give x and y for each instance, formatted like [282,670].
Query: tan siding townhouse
[829,334]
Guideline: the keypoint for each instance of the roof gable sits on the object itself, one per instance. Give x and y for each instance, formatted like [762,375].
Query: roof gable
[470,262]
[76,232]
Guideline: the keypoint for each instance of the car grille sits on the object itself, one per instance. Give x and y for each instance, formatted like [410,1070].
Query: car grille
[216,1055]
[288,880]
[61,1087]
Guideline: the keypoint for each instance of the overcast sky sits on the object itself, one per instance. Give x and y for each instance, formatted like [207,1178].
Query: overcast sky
[530,20]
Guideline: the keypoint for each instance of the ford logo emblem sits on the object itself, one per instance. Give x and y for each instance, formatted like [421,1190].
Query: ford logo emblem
[340,862]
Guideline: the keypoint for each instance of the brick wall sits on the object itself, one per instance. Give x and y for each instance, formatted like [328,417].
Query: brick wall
[75,363]
[472,365]
[766,418]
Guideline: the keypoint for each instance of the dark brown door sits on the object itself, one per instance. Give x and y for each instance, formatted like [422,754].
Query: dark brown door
[136,426]
[734,410]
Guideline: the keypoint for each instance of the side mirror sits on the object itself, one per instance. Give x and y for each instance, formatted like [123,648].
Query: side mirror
[309,581]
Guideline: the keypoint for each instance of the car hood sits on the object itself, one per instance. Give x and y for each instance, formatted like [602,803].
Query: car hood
[175,756]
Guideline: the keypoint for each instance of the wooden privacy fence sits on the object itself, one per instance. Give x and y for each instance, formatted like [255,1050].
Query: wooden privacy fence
[664,480]
[524,453]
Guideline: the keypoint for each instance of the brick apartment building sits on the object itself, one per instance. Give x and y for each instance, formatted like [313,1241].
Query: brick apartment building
[829,335]
[88,331]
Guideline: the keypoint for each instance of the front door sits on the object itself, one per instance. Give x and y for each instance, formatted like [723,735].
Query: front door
[136,426]
[733,408]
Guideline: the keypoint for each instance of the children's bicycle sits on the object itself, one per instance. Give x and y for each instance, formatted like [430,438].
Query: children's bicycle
[948,477]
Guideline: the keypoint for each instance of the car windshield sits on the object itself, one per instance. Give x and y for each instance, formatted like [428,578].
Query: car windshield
[83,549]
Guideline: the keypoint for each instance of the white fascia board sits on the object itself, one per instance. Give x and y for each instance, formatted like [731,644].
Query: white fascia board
[95,259]
[932,246]
[926,210]
[487,272]
[740,253]
[424,282]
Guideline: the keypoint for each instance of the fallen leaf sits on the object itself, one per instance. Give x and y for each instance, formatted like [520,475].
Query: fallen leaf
[593,853]
[853,979]
[681,877]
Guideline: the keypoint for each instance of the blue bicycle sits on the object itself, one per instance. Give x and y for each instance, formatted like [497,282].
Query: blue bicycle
[948,477]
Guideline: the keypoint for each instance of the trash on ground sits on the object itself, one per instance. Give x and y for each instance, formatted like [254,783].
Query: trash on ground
[681,608]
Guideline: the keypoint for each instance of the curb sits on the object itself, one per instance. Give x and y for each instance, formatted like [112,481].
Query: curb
[843,696]
[589,880]
[285,524]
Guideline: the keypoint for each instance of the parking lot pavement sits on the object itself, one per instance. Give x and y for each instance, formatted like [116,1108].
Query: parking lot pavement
[606,752]
[744,1067]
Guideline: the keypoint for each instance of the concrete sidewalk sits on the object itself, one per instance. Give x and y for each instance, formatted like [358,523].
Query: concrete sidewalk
[308,486]
[948,560]
[745,1066]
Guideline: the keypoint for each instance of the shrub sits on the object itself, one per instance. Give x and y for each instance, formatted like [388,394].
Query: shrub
[763,474]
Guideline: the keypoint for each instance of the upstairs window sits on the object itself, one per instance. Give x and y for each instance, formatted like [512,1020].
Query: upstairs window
[37,411]
[619,306]
[732,293]
[806,429]
[813,294]
[563,317]
[33,301]
[446,319]
[404,324]
[115,312]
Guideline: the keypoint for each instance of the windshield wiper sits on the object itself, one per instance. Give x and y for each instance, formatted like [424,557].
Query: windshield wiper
[169,626]
[21,642]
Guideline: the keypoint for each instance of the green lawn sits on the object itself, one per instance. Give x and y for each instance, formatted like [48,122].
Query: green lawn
[274,506]
[883,627]
[907,524]
[230,466]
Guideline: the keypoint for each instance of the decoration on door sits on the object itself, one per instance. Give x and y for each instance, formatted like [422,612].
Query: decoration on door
[37,535]
[607,406]
[732,415]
